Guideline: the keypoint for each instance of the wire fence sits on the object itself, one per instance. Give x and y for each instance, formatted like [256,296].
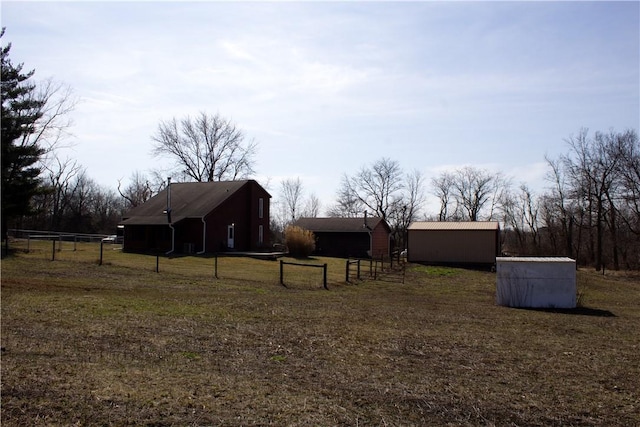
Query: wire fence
[211,266]
[107,251]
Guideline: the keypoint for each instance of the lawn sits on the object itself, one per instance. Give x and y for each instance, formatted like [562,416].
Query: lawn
[120,344]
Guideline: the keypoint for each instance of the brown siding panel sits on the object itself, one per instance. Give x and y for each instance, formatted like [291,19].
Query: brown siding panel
[453,246]
[380,242]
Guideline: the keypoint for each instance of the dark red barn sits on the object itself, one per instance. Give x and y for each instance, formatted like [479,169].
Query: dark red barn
[200,217]
[349,237]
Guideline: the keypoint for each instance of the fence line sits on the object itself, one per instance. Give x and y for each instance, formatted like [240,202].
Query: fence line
[46,246]
[323,266]
[83,237]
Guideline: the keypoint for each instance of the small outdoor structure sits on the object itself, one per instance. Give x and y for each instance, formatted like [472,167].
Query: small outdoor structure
[536,282]
[349,237]
[462,243]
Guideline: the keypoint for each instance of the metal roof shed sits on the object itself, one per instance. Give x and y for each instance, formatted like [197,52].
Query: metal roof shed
[465,242]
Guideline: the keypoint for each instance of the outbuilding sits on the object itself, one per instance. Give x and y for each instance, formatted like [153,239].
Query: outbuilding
[456,243]
[349,237]
[536,282]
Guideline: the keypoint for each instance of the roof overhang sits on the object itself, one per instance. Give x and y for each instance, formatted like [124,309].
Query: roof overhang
[454,226]
[150,220]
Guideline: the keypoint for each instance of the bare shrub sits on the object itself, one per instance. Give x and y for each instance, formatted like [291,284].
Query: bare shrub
[300,242]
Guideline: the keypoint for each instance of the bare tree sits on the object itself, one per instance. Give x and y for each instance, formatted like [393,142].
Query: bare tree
[348,204]
[408,205]
[595,198]
[442,188]
[376,188]
[52,129]
[557,208]
[206,148]
[312,206]
[592,167]
[628,149]
[473,189]
[137,192]
[82,193]
[385,191]
[60,176]
[520,215]
[475,193]
[106,208]
[291,191]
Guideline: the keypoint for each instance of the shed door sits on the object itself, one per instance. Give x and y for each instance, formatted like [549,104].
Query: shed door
[230,235]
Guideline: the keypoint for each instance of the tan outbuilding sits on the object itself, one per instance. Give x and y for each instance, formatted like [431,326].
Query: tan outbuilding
[465,242]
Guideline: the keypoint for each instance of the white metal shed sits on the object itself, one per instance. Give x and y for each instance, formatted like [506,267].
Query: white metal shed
[536,282]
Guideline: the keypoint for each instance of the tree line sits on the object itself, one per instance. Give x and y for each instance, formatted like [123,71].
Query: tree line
[590,211]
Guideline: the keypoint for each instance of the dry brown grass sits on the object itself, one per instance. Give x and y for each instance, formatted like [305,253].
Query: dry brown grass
[119,344]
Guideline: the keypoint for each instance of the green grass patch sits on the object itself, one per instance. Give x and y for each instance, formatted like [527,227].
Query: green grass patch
[439,271]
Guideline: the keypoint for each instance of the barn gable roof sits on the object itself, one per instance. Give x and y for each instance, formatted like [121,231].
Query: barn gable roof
[341,225]
[188,200]
[454,225]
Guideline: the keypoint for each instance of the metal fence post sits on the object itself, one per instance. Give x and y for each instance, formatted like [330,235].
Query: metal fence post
[324,276]
[101,250]
[282,272]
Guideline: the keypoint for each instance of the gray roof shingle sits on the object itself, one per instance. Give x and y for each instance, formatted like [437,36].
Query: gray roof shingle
[188,200]
[338,225]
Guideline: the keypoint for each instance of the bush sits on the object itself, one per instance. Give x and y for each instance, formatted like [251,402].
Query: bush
[299,241]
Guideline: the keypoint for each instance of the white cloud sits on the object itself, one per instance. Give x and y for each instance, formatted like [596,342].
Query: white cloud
[327,87]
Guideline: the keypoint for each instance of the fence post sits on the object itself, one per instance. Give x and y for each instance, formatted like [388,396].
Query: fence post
[101,250]
[282,272]
[324,276]
[53,250]
[358,269]
[346,275]
[158,263]
[215,272]
[404,271]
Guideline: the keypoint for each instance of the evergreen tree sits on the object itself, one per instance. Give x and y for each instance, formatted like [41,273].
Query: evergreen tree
[21,109]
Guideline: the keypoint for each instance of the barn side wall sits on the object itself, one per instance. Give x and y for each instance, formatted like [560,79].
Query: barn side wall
[380,242]
[147,238]
[453,246]
[342,245]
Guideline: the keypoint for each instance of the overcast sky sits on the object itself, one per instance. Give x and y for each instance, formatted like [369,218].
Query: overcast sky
[325,88]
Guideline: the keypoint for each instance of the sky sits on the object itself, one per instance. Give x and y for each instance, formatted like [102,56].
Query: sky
[326,88]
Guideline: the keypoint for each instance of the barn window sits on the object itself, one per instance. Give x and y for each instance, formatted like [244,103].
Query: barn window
[260,208]
[260,234]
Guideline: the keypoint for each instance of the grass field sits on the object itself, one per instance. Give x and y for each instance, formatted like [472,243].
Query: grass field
[120,344]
